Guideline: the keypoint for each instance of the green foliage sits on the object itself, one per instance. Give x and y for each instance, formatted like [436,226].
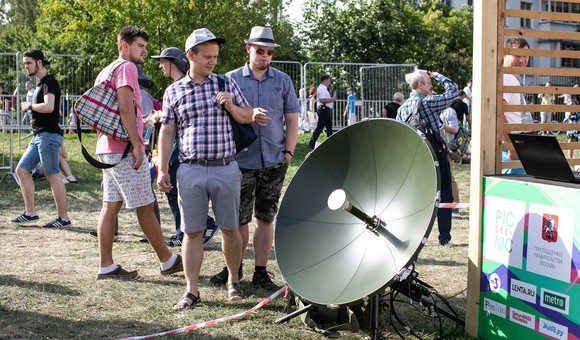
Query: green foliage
[428,34]
[431,35]
[89,28]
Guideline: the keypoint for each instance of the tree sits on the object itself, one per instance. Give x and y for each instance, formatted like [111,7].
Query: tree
[430,34]
[89,28]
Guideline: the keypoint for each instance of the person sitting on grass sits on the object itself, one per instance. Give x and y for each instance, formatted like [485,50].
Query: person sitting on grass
[68,177]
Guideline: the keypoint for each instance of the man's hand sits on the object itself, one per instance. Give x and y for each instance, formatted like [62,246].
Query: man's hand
[138,157]
[163,181]
[25,106]
[259,116]
[225,99]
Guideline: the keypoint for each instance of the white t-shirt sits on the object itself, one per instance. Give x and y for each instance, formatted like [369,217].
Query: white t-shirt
[512,99]
[322,93]
[449,117]
[468,95]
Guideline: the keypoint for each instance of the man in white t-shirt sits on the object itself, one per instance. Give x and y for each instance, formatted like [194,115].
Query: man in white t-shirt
[324,107]
[513,98]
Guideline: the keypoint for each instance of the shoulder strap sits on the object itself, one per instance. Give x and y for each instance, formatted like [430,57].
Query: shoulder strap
[92,161]
[415,111]
[113,69]
[222,87]
[221,82]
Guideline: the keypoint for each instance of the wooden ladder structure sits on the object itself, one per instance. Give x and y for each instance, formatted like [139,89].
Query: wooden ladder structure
[490,34]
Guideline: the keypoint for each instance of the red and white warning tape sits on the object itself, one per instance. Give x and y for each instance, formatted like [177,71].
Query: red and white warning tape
[453,205]
[212,322]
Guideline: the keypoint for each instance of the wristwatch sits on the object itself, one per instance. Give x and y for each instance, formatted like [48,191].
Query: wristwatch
[288,152]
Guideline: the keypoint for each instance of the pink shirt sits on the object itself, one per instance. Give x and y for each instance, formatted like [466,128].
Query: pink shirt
[125,75]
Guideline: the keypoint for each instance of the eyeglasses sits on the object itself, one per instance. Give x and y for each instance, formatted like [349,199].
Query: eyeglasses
[261,51]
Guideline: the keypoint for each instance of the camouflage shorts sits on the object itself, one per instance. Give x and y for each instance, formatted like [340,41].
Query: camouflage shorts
[261,187]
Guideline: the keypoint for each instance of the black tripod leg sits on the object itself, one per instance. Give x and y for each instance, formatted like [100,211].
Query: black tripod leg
[374,315]
[294,314]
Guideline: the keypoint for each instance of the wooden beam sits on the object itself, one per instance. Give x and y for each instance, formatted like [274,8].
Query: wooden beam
[542,53]
[542,89]
[483,142]
[518,13]
[556,35]
[543,71]
[541,108]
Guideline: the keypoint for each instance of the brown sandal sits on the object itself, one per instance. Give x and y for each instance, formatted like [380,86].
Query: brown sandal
[188,300]
[234,291]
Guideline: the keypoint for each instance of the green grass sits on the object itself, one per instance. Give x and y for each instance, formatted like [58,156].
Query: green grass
[48,287]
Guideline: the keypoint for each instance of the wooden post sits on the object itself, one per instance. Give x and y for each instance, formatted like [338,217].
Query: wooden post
[483,142]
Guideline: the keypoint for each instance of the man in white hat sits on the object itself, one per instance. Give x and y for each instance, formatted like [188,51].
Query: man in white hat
[174,64]
[195,109]
[265,162]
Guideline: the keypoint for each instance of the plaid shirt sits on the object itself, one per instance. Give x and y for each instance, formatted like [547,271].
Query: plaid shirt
[203,126]
[431,106]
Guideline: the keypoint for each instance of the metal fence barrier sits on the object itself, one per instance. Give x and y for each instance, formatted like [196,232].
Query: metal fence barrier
[373,84]
[6,146]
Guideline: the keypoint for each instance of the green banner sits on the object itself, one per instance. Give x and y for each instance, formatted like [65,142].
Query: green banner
[529,261]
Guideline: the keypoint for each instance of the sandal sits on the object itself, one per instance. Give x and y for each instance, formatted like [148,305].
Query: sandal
[234,291]
[188,300]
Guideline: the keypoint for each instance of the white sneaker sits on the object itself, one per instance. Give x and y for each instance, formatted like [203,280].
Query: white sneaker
[71,179]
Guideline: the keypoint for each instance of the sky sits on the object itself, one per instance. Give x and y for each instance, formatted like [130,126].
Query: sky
[294,10]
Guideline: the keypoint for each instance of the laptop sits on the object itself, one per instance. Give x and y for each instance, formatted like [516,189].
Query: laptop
[542,157]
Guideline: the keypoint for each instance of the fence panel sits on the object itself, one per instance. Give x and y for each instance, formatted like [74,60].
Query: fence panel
[373,84]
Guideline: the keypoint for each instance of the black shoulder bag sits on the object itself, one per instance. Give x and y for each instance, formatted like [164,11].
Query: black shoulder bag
[244,134]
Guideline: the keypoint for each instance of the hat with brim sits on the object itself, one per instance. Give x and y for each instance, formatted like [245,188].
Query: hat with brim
[36,54]
[200,36]
[175,56]
[262,36]
[143,79]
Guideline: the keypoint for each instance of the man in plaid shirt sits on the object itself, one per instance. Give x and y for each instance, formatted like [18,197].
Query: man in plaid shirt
[195,109]
[430,108]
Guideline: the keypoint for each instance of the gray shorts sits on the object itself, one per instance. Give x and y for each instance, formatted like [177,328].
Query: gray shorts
[123,183]
[197,184]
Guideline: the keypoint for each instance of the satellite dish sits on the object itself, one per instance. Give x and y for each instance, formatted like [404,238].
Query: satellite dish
[357,212]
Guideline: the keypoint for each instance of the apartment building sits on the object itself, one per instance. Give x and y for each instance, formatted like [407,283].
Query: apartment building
[540,43]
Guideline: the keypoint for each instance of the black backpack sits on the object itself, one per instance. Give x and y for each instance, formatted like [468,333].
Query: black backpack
[460,144]
[420,124]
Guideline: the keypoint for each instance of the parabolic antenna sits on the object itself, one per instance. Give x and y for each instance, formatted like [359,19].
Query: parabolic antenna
[389,181]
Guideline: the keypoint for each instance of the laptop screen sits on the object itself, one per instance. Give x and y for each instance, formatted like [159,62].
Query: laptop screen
[542,157]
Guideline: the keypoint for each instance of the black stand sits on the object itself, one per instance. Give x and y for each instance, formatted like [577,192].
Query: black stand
[294,314]
[374,316]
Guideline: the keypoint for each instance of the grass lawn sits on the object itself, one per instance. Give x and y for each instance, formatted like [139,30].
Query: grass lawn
[48,287]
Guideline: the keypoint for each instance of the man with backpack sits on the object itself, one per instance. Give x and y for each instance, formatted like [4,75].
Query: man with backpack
[429,108]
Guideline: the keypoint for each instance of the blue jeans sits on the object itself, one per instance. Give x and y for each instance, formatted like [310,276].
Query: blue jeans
[510,171]
[444,215]
[43,148]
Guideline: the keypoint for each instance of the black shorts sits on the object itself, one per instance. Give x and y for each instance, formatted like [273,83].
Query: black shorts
[261,188]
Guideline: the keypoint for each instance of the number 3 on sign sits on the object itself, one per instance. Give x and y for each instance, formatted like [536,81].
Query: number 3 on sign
[494,283]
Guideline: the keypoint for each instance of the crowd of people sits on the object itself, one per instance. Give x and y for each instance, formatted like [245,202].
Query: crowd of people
[197,162]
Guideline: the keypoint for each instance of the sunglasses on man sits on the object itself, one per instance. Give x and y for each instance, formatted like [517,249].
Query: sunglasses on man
[261,51]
